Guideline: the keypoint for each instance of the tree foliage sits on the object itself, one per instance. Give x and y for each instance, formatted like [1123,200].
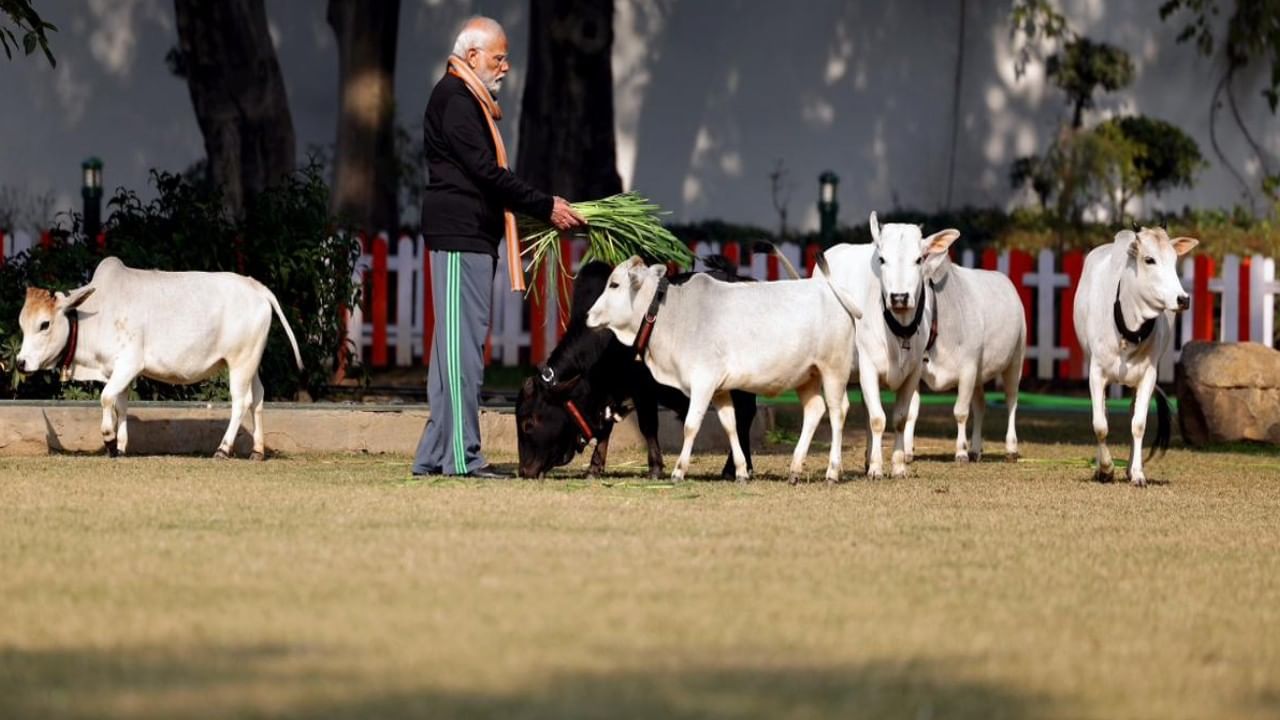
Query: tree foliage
[1083,67]
[28,23]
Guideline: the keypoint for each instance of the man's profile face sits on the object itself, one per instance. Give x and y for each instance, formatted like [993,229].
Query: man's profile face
[490,63]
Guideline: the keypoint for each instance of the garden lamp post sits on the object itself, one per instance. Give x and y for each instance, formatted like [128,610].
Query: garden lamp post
[91,191]
[827,207]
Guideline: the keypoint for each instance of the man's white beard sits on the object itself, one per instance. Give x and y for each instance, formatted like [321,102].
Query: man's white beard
[490,84]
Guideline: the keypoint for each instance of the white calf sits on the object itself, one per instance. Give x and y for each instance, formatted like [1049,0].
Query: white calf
[889,274]
[176,327]
[979,334]
[1123,315]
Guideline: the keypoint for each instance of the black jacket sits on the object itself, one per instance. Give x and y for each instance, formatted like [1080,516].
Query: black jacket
[466,192]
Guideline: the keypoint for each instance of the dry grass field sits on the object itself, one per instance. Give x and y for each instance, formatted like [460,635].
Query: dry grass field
[339,587]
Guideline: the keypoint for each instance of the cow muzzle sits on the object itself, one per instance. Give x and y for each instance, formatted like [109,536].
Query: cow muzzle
[898,301]
[1184,302]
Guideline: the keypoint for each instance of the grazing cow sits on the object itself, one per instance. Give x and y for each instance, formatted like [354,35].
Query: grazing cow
[1128,292]
[578,393]
[889,273]
[707,337]
[175,327]
[978,333]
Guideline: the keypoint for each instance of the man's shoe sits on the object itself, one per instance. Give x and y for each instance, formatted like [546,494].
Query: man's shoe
[490,472]
[426,473]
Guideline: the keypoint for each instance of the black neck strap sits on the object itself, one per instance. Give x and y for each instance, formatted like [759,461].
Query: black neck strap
[650,317]
[1134,337]
[68,356]
[933,319]
[904,331]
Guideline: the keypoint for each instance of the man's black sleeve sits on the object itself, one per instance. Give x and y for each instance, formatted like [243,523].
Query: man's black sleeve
[468,136]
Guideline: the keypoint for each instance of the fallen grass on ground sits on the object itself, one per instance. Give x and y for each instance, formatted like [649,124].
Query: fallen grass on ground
[161,587]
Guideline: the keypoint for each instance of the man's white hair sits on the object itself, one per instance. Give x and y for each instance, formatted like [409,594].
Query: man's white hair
[477,32]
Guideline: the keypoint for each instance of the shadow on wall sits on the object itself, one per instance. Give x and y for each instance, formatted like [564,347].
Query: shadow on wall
[229,680]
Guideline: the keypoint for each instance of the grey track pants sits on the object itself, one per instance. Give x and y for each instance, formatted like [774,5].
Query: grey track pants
[461,293]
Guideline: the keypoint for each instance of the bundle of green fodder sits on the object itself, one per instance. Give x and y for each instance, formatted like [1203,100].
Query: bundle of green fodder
[618,227]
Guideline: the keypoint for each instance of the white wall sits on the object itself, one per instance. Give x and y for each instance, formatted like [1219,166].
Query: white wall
[709,96]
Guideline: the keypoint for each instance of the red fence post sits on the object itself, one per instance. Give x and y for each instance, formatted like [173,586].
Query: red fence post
[732,252]
[538,319]
[46,239]
[1202,299]
[1245,265]
[1073,366]
[990,259]
[379,315]
[564,284]
[428,308]
[1020,263]
[102,242]
[811,257]
[771,267]
[3,249]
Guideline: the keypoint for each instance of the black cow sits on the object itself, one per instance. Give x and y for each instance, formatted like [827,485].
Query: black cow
[582,389]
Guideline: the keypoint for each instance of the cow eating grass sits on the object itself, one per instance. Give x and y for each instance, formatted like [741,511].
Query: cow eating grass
[1128,292]
[175,327]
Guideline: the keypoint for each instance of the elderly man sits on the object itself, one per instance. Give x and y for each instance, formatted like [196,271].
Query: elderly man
[466,208]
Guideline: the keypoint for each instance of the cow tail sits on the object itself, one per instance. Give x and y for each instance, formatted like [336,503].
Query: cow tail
[271,297]
[849,305]
[1164,424]
[772,248]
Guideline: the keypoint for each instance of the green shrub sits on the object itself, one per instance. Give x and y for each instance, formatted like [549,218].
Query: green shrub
[286,240]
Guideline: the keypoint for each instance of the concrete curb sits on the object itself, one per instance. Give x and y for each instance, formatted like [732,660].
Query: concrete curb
[163,428]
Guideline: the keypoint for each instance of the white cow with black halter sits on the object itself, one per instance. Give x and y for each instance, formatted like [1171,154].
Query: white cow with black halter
[1128,292]
[175,327]
[978,334]
[888,277]
[707,337]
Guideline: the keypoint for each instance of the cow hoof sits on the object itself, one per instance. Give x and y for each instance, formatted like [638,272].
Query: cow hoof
[677,475]
[875,474]
[1105,476]
[741,479]
[794,478]
[257,456]
[962,457]
[113,449]
[221,455]
[1011,457]
[1138,479]
[909,458]
[900,472]
[975,457]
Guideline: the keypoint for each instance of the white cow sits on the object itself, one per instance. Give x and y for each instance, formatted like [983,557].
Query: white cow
[1128,290]
[889,275]
[709,337]
[979,334]
[176,327]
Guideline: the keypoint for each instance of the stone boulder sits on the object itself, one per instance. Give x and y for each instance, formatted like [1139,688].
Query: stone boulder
[1228,392]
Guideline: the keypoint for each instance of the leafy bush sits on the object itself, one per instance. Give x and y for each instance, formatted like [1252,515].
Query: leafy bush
[286,240]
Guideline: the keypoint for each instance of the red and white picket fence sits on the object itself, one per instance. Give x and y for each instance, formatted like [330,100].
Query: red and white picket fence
[1233,300]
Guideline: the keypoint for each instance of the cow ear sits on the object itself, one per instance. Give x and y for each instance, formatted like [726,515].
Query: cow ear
[658,270]
[1129,239]
[875,228]
[940,242]
[1183,245]
[635,261]
[74,298]
[567,386]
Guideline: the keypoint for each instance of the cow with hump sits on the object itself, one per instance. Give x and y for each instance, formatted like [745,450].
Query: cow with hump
[707,338]
[584,388]
[1128,292]
[175,327]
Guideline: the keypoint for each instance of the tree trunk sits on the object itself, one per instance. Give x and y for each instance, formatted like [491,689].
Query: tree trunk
[566,119]
[366,171]
[238,94]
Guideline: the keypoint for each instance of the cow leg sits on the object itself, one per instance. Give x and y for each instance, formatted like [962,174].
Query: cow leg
[241,388]
[744,408]
[1141,403]
[1012,375]
[724,409]
[117,385]
[647,419]
[601,452]
[909,440]
[699,399]
[961,409]
[833,388]
[811,402]
[869,381]
[1098,397]
[122,422]
[978,408]
[255,417]
[902,401]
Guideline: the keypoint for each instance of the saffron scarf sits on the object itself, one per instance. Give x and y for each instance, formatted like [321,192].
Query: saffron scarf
[492,113]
